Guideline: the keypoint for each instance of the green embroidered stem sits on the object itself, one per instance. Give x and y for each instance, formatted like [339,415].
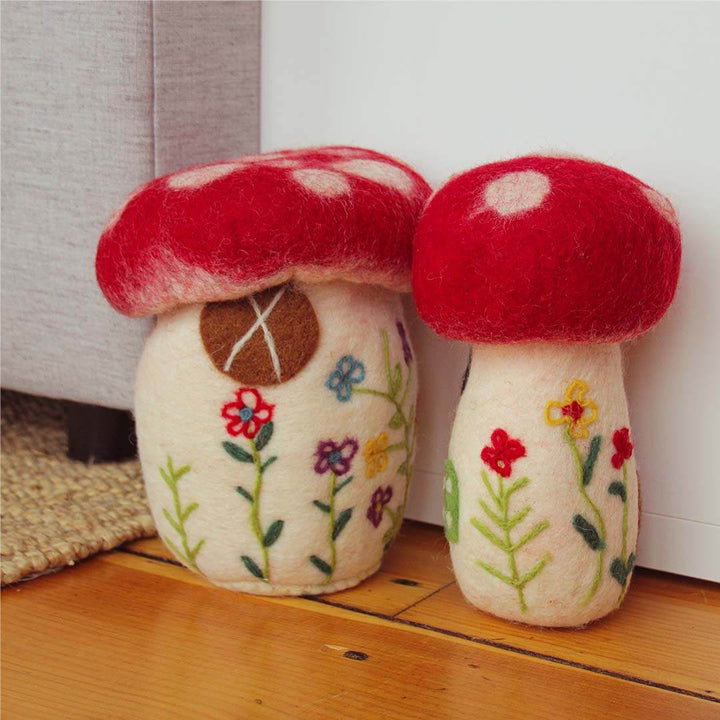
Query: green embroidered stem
[625,515]
[596,540]
[171,476]
[255,511]
[331,527]
[506,522]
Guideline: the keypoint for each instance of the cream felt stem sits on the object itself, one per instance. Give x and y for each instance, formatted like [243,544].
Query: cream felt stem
[550,424]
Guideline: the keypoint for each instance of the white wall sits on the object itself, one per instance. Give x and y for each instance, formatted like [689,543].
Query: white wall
[446,86]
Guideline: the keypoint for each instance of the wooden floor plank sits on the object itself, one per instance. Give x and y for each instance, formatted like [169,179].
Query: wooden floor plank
[416,566]
[126,637]
[667,631]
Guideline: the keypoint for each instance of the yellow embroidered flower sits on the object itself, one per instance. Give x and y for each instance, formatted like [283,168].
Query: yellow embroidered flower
[376,457]
[575,410]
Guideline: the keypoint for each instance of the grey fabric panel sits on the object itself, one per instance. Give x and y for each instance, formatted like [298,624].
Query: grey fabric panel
[207,76]
[81,127]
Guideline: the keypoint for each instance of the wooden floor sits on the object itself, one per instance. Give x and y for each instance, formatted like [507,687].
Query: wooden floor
[132,635]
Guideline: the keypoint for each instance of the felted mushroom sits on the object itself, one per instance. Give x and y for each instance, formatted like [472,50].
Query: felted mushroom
[275,398]
[545,265]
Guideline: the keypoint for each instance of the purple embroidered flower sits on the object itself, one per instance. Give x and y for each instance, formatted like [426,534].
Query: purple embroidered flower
[380,498]
[348,372]
[335,457]
[407,352]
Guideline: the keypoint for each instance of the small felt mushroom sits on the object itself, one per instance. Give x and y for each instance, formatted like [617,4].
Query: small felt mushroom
[275,398]
[545,265]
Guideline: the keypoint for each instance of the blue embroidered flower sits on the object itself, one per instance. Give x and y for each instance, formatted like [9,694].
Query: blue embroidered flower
[348,372]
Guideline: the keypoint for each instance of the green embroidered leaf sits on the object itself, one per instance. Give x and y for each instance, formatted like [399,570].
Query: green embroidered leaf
[490,490]
[168,481]
[181,471]
[530,574]
[617,488]
[494,539]
[321,565]
[263,437]
[178,529]
[236,452]
[252,567]
[185,514]
[619,571]
[172,546]
[493,516]
[325,508]
[273,533]
[403,468]
[267,463]
[411,417]
[589,533]
[342,484]
[196,549]
[244,493]
[517,485]
[396,381]
[517,518]
[452,503]
[631,561]
[530,535]
[396,421]
[589,464]
[342,520]
[496,573]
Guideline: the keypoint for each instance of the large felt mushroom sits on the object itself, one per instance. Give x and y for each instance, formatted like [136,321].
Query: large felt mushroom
[545,265]
[275,397]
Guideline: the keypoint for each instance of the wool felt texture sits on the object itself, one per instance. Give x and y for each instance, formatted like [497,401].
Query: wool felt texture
[222,231]
[288,488]
[541,493]
[545,248]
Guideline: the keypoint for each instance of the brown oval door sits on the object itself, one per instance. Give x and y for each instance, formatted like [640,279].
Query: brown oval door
[262,339]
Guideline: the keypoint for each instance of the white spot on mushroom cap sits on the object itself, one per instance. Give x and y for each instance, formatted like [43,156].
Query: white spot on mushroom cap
[325,183]
[191,179]
[516,192]
[661,204]
[379,172]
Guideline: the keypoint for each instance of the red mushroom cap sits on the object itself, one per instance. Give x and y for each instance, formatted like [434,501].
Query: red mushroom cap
[545,248]
[222,231]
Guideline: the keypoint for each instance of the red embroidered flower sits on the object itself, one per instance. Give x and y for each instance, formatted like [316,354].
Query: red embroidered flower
[247,414]
[503,452]
[623,447]
[380,498]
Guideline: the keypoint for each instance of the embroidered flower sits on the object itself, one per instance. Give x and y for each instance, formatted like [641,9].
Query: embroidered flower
[503,452]
[407,352]
[376,457]
[380,498]
[575,410]
[335,457]
[623,447]
[247,414]
[348,372]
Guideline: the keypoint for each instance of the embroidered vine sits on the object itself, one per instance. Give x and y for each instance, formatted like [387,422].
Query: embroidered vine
[575,413]
[334,459]
[500,456]
[250,416]
[451,503]
[172,477]
[621,567]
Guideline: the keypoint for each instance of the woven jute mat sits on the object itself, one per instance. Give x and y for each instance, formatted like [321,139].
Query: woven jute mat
[56,511]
